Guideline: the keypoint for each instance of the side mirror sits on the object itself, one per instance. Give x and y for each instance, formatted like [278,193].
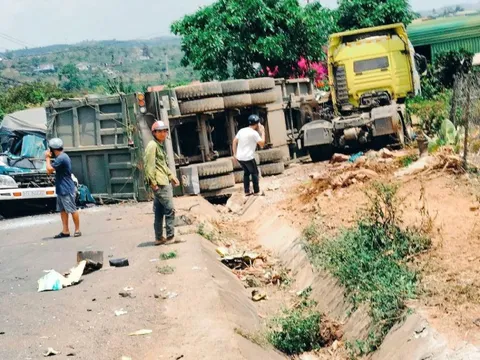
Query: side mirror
[421,64]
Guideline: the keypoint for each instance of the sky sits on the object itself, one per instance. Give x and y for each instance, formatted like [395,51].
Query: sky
[35,23]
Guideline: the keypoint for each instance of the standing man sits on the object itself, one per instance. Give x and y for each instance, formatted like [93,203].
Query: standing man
[159,177]
[64,186]
[244,146]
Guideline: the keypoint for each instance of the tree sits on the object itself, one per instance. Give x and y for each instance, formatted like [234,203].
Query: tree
[241,38]
[357,14]
[452,63]
[72,74]
[28,95]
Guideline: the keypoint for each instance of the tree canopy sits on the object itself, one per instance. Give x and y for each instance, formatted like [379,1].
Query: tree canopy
[247,38]
[357,14]
[240,38]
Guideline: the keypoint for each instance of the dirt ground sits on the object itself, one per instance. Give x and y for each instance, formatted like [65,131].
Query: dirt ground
[448,204]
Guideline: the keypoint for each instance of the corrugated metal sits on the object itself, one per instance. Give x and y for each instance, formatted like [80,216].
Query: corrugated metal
[472,45]
[437,31]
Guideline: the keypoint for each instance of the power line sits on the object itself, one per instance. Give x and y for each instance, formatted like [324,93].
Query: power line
[14,40]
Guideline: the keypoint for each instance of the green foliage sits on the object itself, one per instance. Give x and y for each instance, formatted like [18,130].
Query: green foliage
[165,270]
[229,37]
[357,14]
[168,255]
[452,63]
[432,111]
[297,330]
[370,260]
[71,78]
[29,95]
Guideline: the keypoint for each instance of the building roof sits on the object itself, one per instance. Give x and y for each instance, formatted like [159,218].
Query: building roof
[443,30]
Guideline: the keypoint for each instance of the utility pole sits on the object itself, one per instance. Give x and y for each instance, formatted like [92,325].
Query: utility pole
[167,73]
[467,118]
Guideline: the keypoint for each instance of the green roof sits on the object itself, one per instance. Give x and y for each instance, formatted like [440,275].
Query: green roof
[430,32]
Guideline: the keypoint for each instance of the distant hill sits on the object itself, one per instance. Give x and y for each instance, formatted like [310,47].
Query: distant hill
[450,9]
[137,62]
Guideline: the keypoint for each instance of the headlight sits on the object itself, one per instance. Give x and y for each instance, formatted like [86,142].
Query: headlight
[7,182]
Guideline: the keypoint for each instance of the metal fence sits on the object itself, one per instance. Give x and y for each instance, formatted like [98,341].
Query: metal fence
[465,112]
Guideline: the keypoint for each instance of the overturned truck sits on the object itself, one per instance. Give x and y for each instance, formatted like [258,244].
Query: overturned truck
[105,136]
[371,73]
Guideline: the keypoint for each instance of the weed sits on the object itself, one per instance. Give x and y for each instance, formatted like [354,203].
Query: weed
[297,330]
[407,160]
[370,261]
[202,231]
[165,270]
[256,337]
[168,255]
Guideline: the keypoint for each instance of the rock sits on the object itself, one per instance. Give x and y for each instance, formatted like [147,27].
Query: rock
[328,193]
[235,203]
[307,356]
[319,176]
[339,158]
[385,153]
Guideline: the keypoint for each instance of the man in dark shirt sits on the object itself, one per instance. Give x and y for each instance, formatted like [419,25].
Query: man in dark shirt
[64,186]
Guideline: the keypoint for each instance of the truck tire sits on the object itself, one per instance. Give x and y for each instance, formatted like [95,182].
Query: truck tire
[261,84]
[217,183]
[264,97]
[201,105]
[270,156]
[272,169]
[198,90]
[236,165]
[238,176]
[237,101]
[214,168]
[320,152]
[235,87]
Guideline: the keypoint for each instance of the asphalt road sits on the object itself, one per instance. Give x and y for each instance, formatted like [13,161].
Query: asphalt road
[79,319]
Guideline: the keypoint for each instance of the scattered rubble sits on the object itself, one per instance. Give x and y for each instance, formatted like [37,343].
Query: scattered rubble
[140,332]
[119,262]
[240,261]
[339,158]
[94,260]
[50,352]
[120,312]
[258,296]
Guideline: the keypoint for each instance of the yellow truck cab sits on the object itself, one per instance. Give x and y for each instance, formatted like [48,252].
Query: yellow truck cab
[371,73]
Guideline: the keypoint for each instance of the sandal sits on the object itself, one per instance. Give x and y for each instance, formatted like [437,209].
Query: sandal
[77,234]
[61,236]
[162,241]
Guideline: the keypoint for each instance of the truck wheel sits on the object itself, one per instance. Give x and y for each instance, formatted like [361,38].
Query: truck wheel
[264,97]
[270,156]
[272,169]
[400,136]
[261,84]
[236,165]
[219,167]
[237,101]
[238,176]
[198,90]
[235,87]
[217,183]
[320,152]
[201,105]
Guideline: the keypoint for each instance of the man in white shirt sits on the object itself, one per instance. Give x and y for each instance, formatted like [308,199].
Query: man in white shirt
[244,146]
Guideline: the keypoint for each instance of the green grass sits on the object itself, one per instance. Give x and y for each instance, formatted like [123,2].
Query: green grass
[201,230]
[165,270]
[370,260]
[168,255]
[297,330]
[407,160]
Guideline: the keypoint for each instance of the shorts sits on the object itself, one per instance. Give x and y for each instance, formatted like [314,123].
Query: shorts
[66,203]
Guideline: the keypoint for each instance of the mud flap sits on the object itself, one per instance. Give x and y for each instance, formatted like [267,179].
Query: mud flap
[319,132]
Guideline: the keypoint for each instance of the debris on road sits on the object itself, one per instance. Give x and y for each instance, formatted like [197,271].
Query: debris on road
[120,312]
[165,270]
[257,296]
[169,295]
[240,261]
[140,332]
[50,352]
[128,288]
[53,281]
[182,220]
[126,294]
[168,255]
[222,251]
[355,157]
[338,158]
[119,262]
[126,358]
[94,260]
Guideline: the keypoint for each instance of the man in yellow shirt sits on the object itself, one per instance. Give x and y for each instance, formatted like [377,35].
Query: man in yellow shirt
[159,177]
